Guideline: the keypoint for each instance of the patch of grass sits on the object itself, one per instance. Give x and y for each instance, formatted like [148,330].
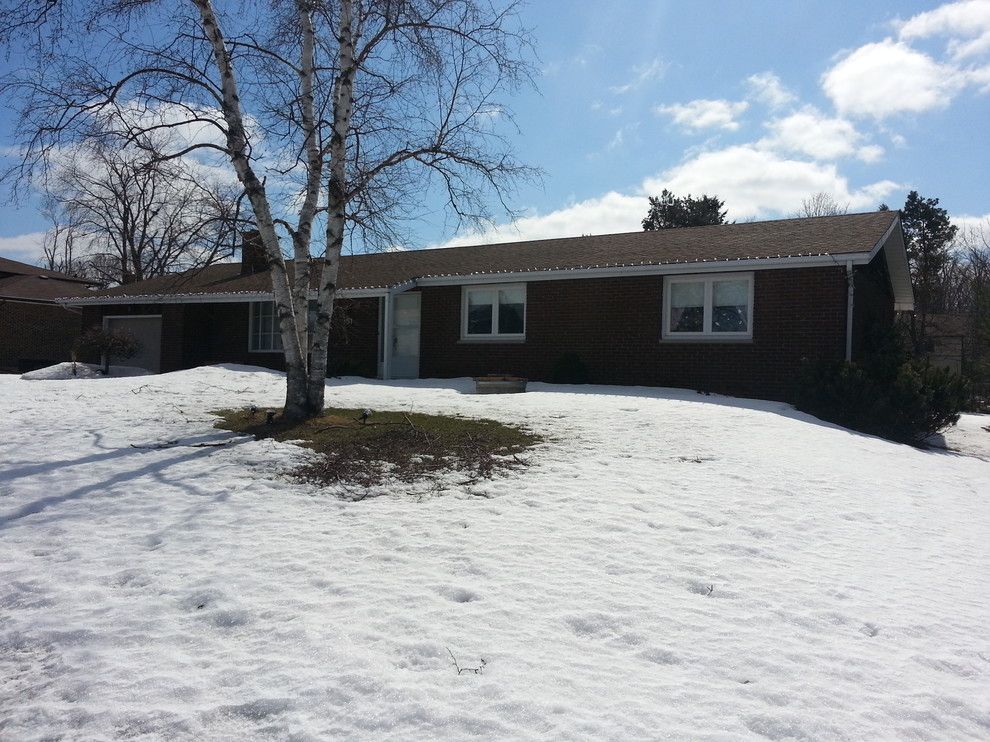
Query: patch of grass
[391,446]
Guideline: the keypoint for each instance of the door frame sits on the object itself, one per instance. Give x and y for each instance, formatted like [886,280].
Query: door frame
[390,326]
[161,335]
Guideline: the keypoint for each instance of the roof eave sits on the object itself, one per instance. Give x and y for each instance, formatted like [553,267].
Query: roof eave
[211,298]
[720,265]
[820,260]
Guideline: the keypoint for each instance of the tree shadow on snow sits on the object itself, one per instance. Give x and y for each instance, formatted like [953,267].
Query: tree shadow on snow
[154,469]
[111,452]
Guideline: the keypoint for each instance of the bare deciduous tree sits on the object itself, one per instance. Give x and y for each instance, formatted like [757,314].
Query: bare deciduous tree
[344,113]
[119,215]
[821,204]
[970,289]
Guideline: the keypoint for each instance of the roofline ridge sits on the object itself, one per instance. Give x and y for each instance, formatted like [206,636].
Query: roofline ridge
[619,234]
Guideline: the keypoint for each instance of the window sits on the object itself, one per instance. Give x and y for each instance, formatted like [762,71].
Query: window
[716,307]
[264,332]
[493,312]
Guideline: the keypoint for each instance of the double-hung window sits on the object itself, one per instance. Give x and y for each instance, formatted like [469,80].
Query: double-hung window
[263,330]
[495,312]
[708,307]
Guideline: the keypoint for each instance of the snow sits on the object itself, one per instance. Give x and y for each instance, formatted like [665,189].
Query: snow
[971,436]
[671,565]
[72,370]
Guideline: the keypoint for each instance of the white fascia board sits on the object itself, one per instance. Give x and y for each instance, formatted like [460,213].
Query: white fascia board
[166,299]
[706,266]
[882,242]
[204,298]
[358,293]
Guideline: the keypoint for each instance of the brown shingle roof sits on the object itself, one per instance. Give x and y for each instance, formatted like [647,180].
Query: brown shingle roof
[40,288]
[25,269]
[821,236]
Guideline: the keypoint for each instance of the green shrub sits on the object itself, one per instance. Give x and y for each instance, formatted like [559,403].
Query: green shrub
[887,394]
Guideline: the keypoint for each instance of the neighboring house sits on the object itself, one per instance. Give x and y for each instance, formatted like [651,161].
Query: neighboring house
[35,329]
[946,337]
[732,308]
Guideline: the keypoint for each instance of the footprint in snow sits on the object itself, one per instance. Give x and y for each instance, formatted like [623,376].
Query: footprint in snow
[458,594]
[129,578]
[259,709]
[869,629]
[659,656]
[702,588]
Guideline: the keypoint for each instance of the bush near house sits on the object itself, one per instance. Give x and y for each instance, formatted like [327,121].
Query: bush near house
[107,346]
[888,394]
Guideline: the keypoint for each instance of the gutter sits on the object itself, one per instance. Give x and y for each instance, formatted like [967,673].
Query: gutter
[548,274]
[217,298]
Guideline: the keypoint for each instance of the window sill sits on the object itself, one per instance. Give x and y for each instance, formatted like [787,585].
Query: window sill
[710,339]
[265,351]
[491,340]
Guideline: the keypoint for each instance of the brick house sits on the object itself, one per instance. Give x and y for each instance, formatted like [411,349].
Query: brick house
[732,308]
[36,330]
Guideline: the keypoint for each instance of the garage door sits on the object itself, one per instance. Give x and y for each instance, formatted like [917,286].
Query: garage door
[148,332]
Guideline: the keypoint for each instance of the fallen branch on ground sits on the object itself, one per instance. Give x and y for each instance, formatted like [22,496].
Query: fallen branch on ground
[475,670]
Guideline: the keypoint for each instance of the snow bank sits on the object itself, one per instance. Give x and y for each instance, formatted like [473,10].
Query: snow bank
[68,371]
[671,565]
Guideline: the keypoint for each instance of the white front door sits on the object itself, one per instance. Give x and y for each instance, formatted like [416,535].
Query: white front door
[405,336]
[148,332]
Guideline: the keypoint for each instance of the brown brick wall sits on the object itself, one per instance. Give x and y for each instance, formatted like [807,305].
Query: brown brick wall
[873,304]
[35,335]
[613,325]
[204,334]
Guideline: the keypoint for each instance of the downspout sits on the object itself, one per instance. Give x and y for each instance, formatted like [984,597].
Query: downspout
[850,292]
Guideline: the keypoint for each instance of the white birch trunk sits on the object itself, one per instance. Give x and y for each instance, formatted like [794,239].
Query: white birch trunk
[336,204]
[303,235]
[295,359]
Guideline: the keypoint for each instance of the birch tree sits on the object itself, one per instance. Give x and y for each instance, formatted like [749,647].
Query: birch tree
[348,117]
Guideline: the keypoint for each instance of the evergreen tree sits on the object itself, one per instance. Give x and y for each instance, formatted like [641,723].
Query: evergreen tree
[668,211]
[928,233]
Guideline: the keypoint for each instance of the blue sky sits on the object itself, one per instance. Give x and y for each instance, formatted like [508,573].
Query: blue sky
[761,103]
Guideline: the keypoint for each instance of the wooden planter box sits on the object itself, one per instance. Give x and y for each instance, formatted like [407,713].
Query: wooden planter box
[499,384]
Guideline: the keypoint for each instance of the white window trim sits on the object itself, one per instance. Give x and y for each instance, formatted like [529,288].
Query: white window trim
[706,335]
[495,336]
[251,323]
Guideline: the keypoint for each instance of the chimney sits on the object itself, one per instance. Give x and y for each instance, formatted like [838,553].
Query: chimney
[253,257]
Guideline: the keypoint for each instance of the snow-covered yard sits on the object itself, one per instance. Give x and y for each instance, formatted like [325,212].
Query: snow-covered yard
[670,566]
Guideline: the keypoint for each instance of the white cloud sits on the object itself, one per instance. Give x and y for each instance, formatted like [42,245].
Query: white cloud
[622,135]
[599,107]
[611,212]
[980,77]
[889,77]
[966,24]
[756,182]
[968,223]
[705,114]
[767,88]
[870,153]
[810,132]
[642,74]
[24,247]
